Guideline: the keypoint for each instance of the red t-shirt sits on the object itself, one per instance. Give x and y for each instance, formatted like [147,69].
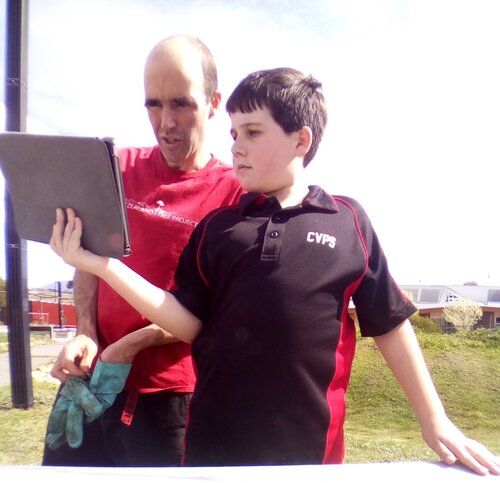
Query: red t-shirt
[163,207]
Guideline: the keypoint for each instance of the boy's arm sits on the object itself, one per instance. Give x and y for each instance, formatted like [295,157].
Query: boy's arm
[402,353]
[157,305]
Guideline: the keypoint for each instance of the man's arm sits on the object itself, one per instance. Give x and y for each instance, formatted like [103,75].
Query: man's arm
[85,290]
[125,349]
[402,353]
[157,305]
[77,355]
[85,286]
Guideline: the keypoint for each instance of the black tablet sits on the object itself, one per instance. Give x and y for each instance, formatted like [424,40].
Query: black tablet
[45,172]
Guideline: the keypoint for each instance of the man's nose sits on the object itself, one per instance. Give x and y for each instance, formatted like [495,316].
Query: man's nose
[167,119]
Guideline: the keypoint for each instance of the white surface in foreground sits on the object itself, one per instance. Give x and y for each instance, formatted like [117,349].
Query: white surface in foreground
[383,472]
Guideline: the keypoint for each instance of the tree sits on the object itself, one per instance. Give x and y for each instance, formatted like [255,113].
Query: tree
[463,314]
[3,298]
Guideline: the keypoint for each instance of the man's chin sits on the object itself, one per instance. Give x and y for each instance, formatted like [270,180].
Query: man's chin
[174,160]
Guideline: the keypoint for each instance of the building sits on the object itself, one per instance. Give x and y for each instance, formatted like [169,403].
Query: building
[52,306]
[432,299]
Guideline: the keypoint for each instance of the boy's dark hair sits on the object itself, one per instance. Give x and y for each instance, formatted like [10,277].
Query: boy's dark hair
[293,99]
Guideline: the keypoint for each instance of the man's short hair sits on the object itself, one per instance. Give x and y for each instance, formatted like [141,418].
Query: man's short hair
[293,99]
[208,66]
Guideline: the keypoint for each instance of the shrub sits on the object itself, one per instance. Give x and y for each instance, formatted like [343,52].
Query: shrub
[424,324]
[488,337]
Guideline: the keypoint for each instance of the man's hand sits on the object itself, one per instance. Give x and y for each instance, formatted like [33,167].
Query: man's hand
[75,359]
[66,242]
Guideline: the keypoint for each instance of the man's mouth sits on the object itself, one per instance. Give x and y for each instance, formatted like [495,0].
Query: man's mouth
[170,139]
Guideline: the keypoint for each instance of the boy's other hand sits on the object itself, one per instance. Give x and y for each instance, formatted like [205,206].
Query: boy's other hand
[66,242]
[452,446]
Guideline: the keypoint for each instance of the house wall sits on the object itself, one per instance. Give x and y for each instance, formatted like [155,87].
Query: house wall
[489,320]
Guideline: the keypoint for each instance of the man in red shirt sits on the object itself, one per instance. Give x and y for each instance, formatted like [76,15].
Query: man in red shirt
[168,189]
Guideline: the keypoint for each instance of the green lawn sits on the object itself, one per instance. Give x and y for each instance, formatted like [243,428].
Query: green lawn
[380,425]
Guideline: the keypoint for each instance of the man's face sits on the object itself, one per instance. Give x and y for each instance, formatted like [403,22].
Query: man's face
[264,156]
[178,110]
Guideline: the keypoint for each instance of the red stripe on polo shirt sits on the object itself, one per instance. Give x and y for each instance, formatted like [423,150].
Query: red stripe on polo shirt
[344,355]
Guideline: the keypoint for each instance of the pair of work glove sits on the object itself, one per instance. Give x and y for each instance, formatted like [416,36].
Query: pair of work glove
[81,401]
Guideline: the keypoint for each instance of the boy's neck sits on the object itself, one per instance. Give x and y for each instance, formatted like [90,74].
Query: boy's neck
[293,195]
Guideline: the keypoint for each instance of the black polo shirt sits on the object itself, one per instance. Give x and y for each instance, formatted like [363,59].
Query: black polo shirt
[273,358]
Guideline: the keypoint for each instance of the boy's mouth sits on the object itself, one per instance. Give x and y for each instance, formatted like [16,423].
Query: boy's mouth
[242,167]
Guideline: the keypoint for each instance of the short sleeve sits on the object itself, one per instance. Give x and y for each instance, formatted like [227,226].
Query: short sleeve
[190,288]
[380,303]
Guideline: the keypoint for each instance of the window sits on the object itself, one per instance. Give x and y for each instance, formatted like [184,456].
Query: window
[429,295]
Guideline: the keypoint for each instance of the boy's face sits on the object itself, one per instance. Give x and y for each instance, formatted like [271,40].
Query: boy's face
[265,158]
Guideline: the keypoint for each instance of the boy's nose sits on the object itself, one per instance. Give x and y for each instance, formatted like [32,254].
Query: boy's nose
[237,149]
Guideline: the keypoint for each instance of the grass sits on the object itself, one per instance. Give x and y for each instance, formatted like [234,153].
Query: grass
[380,425]
[23,430]
[35,339]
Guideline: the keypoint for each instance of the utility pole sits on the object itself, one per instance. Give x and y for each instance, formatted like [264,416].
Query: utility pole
[16,248]
[59,304]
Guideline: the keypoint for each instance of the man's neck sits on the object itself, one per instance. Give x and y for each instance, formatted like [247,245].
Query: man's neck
[195,163]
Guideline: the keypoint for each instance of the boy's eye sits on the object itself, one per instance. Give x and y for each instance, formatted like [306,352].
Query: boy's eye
[253,132]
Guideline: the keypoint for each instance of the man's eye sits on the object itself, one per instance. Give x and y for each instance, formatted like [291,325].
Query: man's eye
[149,104]
[182,103]
[253,132]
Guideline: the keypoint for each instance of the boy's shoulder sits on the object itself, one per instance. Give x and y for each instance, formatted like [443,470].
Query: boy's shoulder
[347,201]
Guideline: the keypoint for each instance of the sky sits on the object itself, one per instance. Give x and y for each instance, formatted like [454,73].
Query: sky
[411,87]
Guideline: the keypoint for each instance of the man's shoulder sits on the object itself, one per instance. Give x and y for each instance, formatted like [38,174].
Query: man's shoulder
[217,164]
[132,154]
[224,172]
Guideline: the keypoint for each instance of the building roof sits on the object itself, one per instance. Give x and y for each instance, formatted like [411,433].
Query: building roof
[436,296]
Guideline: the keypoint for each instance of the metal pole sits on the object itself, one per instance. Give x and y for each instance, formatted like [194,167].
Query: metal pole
[59,304]
[16,252]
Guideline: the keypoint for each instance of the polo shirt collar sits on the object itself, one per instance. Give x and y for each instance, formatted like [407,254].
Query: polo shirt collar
[317,198]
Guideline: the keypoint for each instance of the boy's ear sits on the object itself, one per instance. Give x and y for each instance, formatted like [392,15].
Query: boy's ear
[304,141]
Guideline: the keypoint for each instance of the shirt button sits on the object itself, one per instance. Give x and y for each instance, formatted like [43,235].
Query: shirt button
[274,234]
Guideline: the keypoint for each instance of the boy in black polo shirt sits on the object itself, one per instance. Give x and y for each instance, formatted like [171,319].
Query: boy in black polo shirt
[262,292]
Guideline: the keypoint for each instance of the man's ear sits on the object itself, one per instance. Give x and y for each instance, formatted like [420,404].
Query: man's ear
[304,141]
[214,104]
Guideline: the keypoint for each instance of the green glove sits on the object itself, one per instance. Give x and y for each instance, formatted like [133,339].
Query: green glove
[107,381]
[81,402]
[62,417]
